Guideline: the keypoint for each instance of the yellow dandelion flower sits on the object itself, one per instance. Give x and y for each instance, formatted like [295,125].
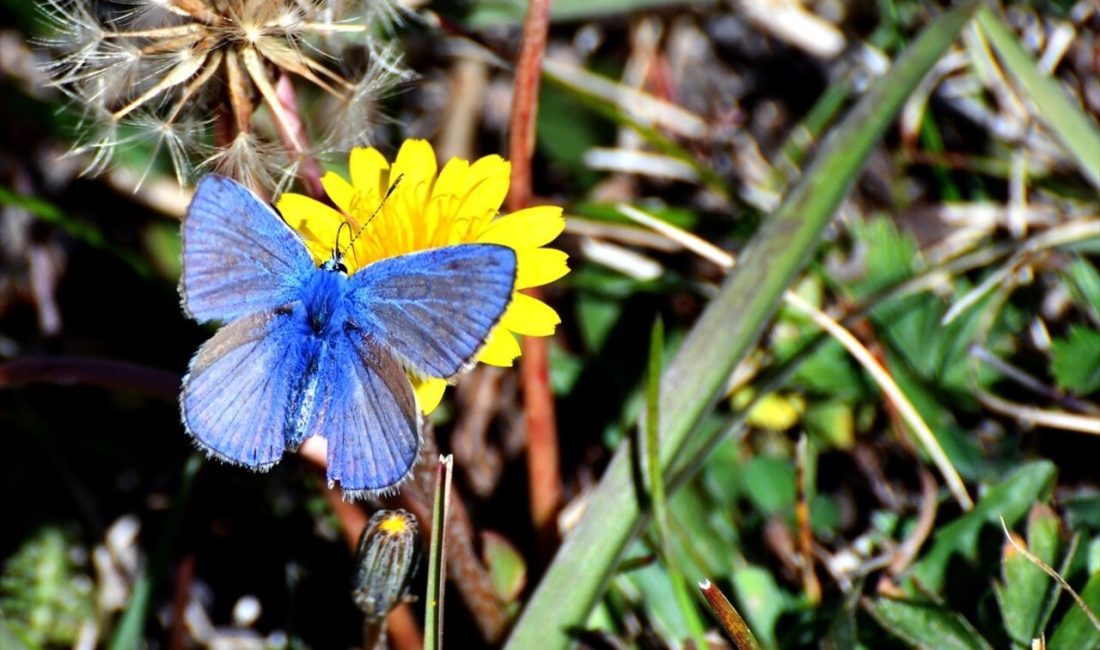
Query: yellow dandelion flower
[431,208]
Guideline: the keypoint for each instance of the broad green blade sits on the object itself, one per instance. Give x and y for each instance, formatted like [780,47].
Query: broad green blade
[725,332]
[1072,126]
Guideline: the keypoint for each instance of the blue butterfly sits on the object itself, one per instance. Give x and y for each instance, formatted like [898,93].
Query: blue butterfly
[310,350]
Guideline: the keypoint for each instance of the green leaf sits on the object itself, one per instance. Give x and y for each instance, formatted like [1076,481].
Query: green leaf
[761,601]
[566,130]
[926,624]
[652,588]
[891,256]
[1083,281]
[721,478]
[1076,631]
[703,534]
[1076,360]
[1010,499]
[831,423]
[507,568]
[828,370]
[770,484]
[1026,588]
[44,598]
[725,331]
[1082,511]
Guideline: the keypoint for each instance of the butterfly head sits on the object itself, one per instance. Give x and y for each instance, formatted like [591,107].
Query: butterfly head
[336,262]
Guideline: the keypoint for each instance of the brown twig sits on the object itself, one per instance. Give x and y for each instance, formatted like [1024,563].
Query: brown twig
[481,462]
[544,475]
[926,520]
[728,617]
[105,373]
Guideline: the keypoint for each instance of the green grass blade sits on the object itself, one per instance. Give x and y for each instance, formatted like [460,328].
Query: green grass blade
[657,493]
[433,595]
[724,333]
[1072,126]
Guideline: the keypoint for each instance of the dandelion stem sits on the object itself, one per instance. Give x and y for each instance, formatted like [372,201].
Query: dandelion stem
[256,72]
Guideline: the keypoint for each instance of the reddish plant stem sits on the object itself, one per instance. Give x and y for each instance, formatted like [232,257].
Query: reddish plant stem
[185,573]
[543,462]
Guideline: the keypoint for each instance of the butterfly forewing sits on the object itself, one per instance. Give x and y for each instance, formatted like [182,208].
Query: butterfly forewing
[238,256]
[434,308]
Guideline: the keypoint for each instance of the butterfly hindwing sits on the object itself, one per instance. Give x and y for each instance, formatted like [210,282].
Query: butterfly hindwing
[434,308]
[242,398]
[239,257]
[369,416]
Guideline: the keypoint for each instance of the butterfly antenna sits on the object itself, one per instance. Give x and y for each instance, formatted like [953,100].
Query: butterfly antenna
[336,244]
[393,186]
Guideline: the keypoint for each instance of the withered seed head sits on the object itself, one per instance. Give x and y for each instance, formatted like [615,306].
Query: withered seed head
[191,75]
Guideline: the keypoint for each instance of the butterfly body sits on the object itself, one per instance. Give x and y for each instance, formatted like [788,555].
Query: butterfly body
[310,350]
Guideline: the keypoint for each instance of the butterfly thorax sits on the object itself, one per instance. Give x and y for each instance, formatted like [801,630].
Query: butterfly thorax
[323,299]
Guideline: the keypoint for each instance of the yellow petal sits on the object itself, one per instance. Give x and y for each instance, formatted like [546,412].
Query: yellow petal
[315,221]
[339,190]
[440,214]
[367,167]
[501,348]
[529,316]
[429,393]
[486,187]
[539,266]
[416,164]
[529,228]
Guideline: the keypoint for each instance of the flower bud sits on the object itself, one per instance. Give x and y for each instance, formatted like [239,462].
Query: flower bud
[389,552]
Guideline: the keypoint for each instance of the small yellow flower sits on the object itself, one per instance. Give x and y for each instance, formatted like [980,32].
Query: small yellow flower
[431,208]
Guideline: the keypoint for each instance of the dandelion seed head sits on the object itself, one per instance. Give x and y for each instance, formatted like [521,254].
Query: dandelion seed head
[357,116]
[255,163]
[170,68]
